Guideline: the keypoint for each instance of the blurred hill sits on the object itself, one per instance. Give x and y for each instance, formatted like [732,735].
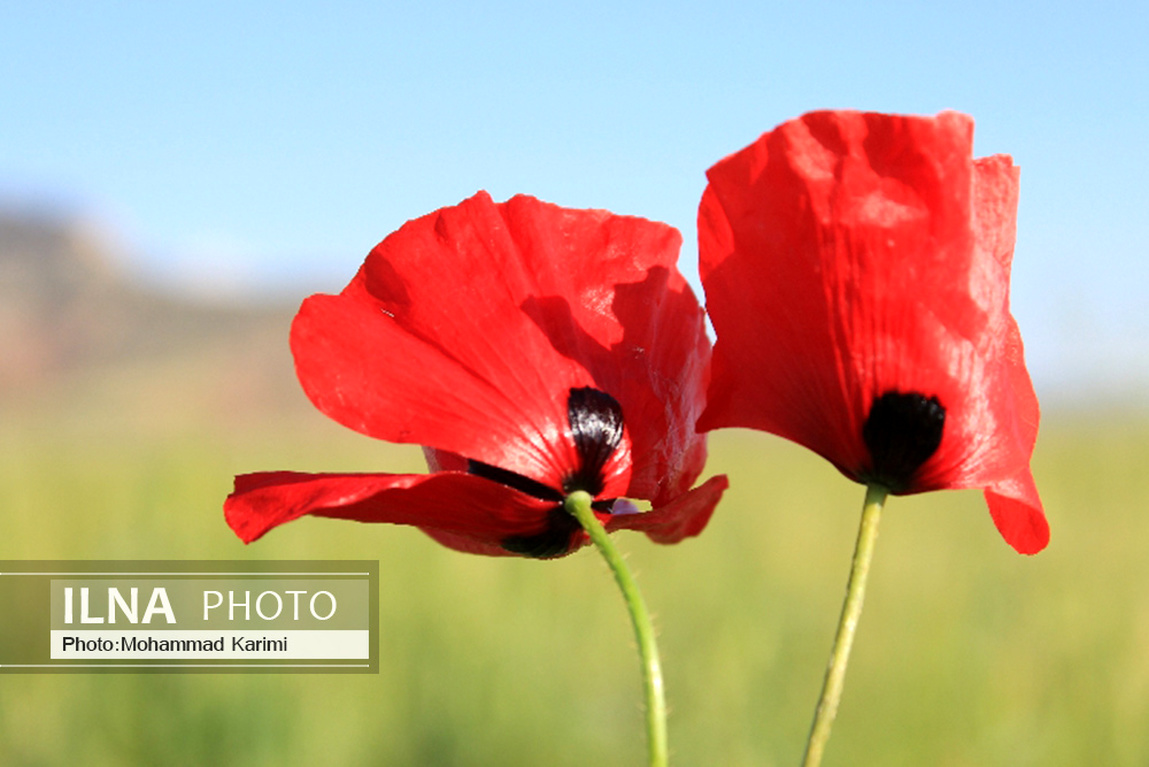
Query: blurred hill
[74,322]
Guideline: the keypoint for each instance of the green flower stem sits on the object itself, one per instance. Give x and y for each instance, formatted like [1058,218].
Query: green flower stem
[847,625]
[578,504]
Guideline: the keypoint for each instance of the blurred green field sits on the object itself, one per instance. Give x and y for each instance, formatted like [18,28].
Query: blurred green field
[968,654]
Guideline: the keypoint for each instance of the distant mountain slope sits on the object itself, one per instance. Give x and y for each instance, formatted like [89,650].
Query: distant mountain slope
[67,311]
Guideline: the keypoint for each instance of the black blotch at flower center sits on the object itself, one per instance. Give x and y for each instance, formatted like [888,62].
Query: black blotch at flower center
[554,541]
[511,479]
[901,432]
[596,426]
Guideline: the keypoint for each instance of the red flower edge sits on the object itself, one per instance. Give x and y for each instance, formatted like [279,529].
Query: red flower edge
[533,350]
[856,268]
[460,510]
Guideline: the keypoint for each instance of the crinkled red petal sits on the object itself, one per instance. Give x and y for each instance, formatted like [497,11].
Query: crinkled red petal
[461,505]
[463,512]
[1016,510]
[684,517]
[846,255]
[466,329]
[658,371]
[469,545]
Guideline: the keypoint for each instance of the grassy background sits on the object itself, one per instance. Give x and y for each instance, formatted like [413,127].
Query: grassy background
[968,654]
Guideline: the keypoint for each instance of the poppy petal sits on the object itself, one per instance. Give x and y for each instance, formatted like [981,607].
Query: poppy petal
[469,545]
[660,377]
[993,432]
[459,504]
[1017,513]
[683,517]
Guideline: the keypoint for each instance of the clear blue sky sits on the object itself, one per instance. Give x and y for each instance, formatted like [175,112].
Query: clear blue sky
[275,140]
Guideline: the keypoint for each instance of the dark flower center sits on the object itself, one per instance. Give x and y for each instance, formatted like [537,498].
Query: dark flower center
[552,542]
[596,425]
[901,432]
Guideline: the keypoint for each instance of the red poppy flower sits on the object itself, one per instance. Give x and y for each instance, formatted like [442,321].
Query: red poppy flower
[856,269]
[534,351]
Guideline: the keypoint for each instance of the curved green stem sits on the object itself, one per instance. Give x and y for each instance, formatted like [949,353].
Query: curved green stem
[847,625]
[578,503]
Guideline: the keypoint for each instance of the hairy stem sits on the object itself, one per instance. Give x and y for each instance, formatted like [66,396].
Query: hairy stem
[847,626]
[578,503]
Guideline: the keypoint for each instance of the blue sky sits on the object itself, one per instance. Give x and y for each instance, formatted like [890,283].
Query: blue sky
[275,143]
